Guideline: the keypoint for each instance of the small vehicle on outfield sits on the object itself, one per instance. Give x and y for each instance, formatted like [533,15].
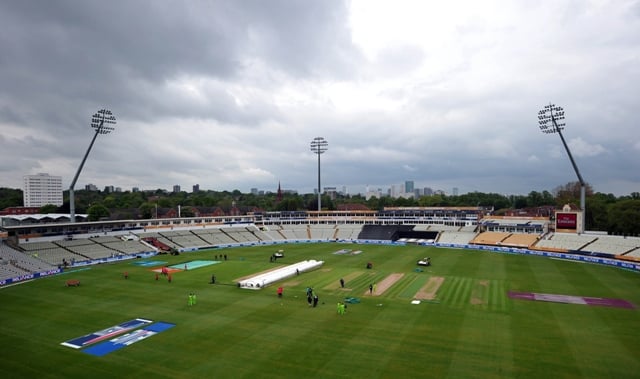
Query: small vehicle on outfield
[424,262]
[274,257]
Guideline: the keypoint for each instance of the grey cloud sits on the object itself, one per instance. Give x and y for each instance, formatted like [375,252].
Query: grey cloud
[258,72]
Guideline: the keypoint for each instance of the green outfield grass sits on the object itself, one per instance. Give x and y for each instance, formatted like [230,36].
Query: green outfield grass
[470,329]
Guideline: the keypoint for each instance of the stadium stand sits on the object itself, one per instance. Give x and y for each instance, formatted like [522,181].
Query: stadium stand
[633,254]
[613,245]
[55,245]
[490,238]
[240,234]
[50,252]
[322,231]
[385,232]
[260,235]
[564,241]
[442,228]
[512,224]
[127,247]
[183,238]
[153,242]
[271,233]
[523,240]
[348,231]
[295,231]
[16,263]
[459,238]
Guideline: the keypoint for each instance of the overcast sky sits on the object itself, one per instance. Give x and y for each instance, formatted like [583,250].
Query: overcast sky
[229,94]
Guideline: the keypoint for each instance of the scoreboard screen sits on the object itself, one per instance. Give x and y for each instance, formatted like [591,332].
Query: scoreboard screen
[566,221]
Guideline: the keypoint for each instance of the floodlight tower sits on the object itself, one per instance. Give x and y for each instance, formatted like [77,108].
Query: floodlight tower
[319,145]
[552,113]
[102,121]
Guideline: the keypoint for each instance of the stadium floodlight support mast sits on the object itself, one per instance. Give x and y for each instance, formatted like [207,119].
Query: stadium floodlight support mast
[552,113]
[319,145]
[102,121]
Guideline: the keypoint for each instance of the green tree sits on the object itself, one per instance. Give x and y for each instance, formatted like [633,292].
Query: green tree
[624,218]
[49,208]
[597,214]
[547,198]
[147,210]
[111,202]
[373,203]
[97,212]
[534,199]
[10,197]
[289,203]
[187,212]
[570,193]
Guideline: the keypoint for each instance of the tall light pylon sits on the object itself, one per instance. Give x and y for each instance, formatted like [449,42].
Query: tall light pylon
[548,118]
[102,121]
[319,145]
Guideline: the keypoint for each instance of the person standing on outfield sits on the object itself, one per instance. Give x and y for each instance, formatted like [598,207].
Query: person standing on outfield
[341,283]
[370,289]
[190,300]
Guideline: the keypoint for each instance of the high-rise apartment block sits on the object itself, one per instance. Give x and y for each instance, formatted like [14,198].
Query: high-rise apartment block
[42,189]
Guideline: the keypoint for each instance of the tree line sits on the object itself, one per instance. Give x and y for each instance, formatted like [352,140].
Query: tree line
[605,212]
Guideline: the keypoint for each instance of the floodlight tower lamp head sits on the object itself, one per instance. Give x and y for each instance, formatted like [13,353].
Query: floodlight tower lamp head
[548,119]
[319,145]
[102,121]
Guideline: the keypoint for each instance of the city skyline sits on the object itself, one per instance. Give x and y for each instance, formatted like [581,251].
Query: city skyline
[390,190]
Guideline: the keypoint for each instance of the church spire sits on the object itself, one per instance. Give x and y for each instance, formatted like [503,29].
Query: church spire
[279,195]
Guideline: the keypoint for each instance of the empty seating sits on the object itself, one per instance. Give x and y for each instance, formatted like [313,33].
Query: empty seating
[459,238]
[490,238]
[613,245]
[565,241]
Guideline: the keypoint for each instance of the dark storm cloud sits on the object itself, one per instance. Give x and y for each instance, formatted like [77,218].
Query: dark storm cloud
[67,56]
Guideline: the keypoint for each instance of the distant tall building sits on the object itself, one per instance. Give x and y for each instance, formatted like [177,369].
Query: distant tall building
[176,188]
[196,188]
[408,186]
[91,187]
[109,189]
[331,192]
[135,189]
[42,189]
[393,191]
